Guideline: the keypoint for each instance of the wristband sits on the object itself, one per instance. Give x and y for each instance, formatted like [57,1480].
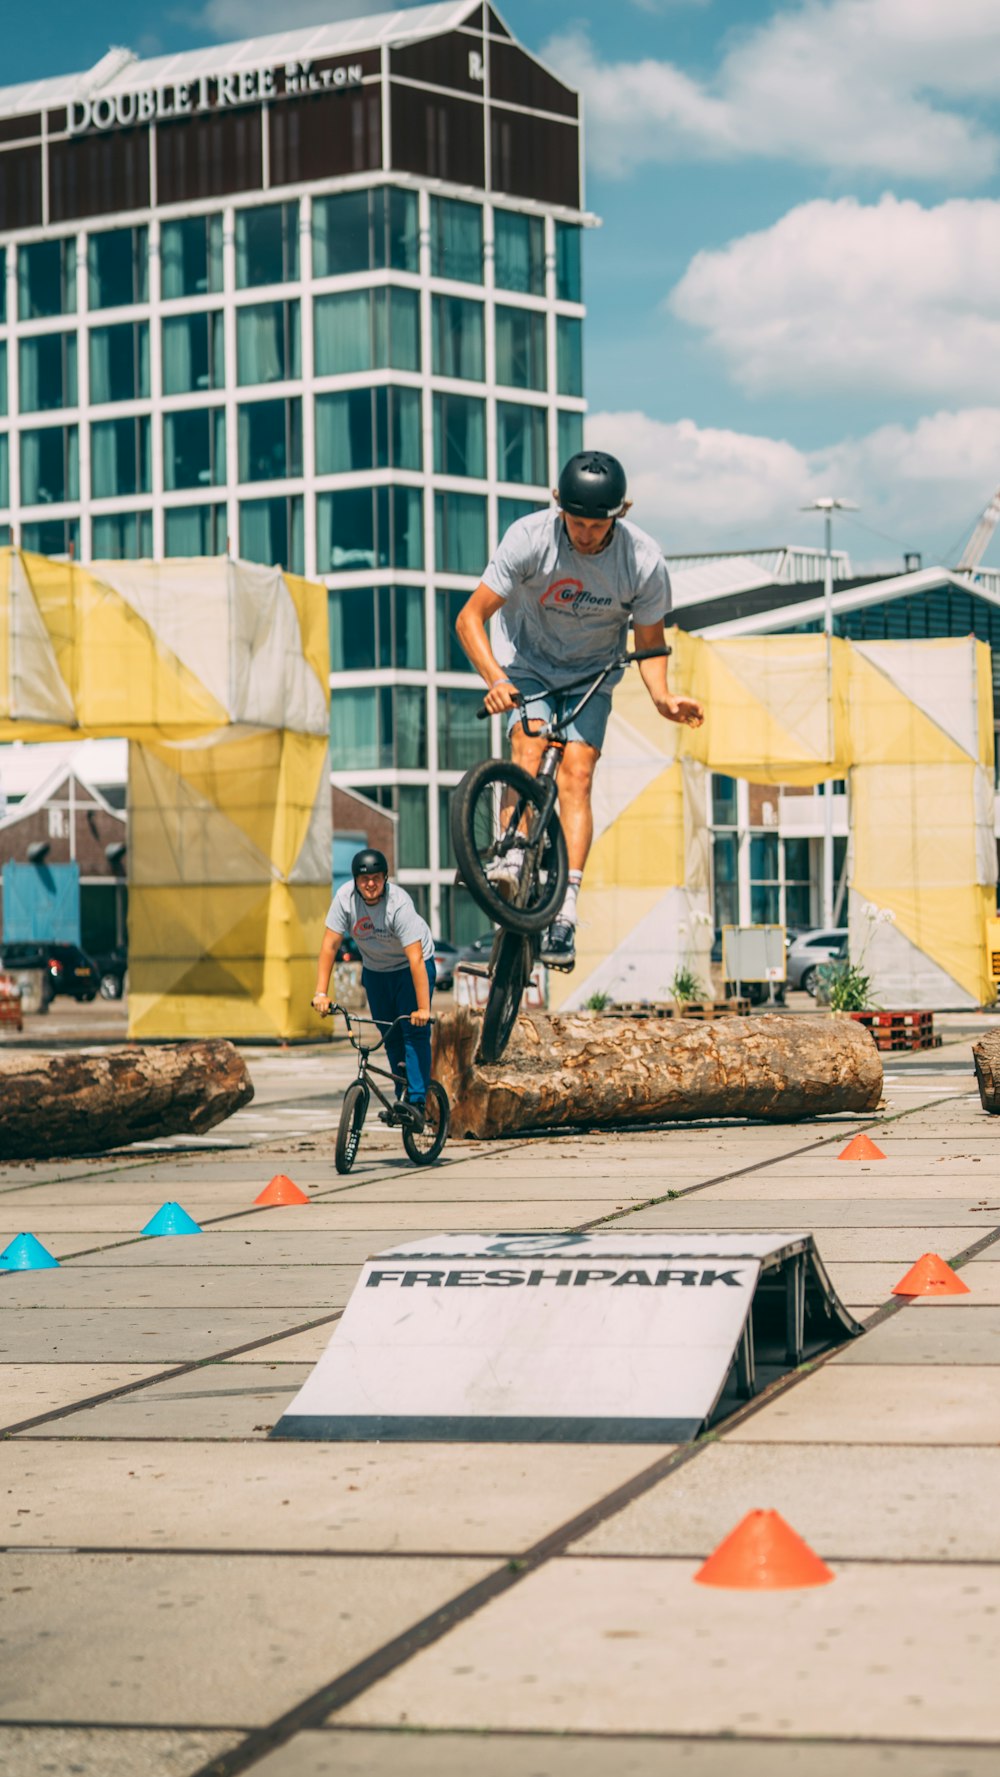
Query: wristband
[503,681]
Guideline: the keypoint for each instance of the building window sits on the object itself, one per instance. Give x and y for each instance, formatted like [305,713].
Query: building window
[194,353]
[118,265]
[798,883]
[3,285]
[367,330]
[462,738]
[569,282]
[51,536]
[363,527]
[378,728]
[368,429]
[460,533]
[365,231]
[450,656]
[194,448]
[195,530]
[270,440]
[509,511]
[119,362]
[456,240]
[48,372]
[521,349]
[380,627]
[267,343]
[522,445]
[122,536]
[3,370]
[119,458]
[765,887]
[570,434]
[191,256]
[459,339]
[459,435]
[725,877]
[724,802]
[4,469]
[272,532]
[46,279]
[461,918]
[519,252]
[267,245]
[50,466]
[569,355]
[414,844]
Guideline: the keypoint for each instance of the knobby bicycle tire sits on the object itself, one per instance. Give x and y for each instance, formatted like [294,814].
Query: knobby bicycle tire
[472,819]
[510,972]
[424,1148]
[352,1121]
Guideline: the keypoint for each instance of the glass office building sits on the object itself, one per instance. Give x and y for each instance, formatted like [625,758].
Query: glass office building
[315,299]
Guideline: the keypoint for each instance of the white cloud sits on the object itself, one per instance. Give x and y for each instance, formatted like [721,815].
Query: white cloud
[227,19]
[886,296]
[852,84]
[698,487]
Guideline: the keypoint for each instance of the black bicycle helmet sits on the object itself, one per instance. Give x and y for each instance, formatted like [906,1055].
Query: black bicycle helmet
[368,862]
[592,485]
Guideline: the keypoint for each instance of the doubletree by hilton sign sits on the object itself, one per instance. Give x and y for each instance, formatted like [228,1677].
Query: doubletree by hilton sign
[206,92]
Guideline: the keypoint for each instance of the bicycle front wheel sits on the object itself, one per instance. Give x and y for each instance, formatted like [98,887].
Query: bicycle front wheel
[424,1146]
[496,809]
[511,968]
[352,1121]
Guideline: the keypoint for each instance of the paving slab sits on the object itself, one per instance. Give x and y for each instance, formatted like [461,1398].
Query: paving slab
[214,1401]
[873,1282]
[253,1245]
[774,1186]
[871,1503]
[26,1389]
[225,1640]
[950,1336]
[108,1752]
[297,1348]
[486,1217]
[361,1753]
[390,1498]
[137,1335]
[704,1210]
[875,1404]
[910,1649]
[173,1283]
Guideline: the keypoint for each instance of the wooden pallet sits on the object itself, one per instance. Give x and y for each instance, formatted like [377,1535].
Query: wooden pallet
[899,1030]
[700,1009]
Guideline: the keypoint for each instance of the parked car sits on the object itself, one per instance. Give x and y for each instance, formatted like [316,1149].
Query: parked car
[809,950]
[112,967]
[445,956]
[478,951]
[347,950]
[67,969]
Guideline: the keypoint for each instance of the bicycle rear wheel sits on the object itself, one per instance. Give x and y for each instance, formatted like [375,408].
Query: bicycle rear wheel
[424,1146]
[511,969]
[497,807]
[352,1121]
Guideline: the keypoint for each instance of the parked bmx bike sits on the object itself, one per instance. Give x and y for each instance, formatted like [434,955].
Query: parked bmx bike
[424,1135]
[498,808]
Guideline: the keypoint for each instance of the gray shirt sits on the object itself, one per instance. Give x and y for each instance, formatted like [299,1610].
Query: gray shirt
[381,932]
[565,614]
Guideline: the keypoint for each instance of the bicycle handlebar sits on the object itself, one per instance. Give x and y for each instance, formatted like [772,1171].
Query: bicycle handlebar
[404,1018]
[620,660]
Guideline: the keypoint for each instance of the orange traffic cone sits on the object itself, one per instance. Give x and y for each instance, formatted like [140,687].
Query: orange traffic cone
[930,1276]
[861,1147]
[280,1190]
[763,1554]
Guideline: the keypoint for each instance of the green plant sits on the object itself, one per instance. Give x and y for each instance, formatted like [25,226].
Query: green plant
[598,1002]
[686,985]
[848,988]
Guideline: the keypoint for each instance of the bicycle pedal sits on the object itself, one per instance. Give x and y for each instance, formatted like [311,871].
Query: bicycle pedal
[563,968]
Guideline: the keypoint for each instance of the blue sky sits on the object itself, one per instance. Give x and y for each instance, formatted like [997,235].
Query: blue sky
[796,287]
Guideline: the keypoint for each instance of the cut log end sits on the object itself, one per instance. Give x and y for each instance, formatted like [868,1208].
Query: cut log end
[986,1058]
[582,1070]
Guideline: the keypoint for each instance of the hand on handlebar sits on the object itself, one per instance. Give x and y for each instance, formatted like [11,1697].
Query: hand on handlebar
[419,1017]
[504,696]
[322,1003]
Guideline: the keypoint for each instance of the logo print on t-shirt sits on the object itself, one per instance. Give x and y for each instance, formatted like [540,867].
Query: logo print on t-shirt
[571,595]
[364,927]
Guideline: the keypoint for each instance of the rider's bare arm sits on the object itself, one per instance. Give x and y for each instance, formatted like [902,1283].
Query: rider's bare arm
[473,634]
[654,676]
[421,985]
[324,969]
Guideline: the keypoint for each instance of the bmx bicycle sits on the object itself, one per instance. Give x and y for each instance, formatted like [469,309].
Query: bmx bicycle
[423,1136]
[499,807]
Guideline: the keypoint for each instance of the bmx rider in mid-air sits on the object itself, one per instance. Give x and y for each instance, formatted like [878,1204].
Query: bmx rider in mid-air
[568,583]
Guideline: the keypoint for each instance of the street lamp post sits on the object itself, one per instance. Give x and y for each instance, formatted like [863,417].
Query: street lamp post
[828,505]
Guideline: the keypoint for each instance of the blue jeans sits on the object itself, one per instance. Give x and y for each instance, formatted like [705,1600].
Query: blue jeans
[408,1047]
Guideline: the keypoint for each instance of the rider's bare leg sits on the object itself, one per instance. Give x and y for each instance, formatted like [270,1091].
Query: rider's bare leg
[576,778]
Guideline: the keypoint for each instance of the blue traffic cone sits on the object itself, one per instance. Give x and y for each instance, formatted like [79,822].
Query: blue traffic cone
[171,1219]
[25,1253]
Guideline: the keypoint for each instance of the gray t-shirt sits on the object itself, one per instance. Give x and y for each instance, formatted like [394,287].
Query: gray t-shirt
[566,614]
[381,932]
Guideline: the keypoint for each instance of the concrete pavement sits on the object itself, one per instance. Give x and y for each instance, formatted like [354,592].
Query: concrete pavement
[179,1594]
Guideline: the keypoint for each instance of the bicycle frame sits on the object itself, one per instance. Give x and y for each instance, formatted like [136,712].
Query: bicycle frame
[366,1068]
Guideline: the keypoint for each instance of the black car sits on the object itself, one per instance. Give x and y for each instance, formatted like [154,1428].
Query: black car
[445,958]
[111,966]
[68,970]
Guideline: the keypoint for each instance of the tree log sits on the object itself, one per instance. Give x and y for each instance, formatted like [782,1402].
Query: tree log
[583,1070]
[986,1055]
[87,1102]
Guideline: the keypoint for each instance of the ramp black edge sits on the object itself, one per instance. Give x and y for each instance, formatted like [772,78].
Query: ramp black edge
[476,1429]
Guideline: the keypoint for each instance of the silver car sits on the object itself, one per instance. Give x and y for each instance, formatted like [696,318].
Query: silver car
[808,951]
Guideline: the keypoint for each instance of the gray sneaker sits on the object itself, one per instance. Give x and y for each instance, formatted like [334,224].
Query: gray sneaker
[558,949]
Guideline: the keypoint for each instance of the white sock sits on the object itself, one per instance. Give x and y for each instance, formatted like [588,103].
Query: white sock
[514,858]
[567,912]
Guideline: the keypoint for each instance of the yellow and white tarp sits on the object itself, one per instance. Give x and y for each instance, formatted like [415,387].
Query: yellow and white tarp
[908,724]
[217,672]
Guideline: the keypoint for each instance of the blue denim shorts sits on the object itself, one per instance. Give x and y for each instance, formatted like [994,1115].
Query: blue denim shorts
[542,706]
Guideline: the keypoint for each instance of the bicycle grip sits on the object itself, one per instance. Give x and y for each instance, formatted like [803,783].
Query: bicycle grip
[482,713]
[651,654]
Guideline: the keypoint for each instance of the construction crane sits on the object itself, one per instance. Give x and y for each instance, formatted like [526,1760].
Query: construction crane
[978,543]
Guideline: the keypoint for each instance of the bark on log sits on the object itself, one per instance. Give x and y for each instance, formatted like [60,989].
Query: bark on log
[87,1102]
[986,1055]
[583,1070]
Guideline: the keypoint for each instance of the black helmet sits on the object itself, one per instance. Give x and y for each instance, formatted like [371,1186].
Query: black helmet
[592,485]
[368,862]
